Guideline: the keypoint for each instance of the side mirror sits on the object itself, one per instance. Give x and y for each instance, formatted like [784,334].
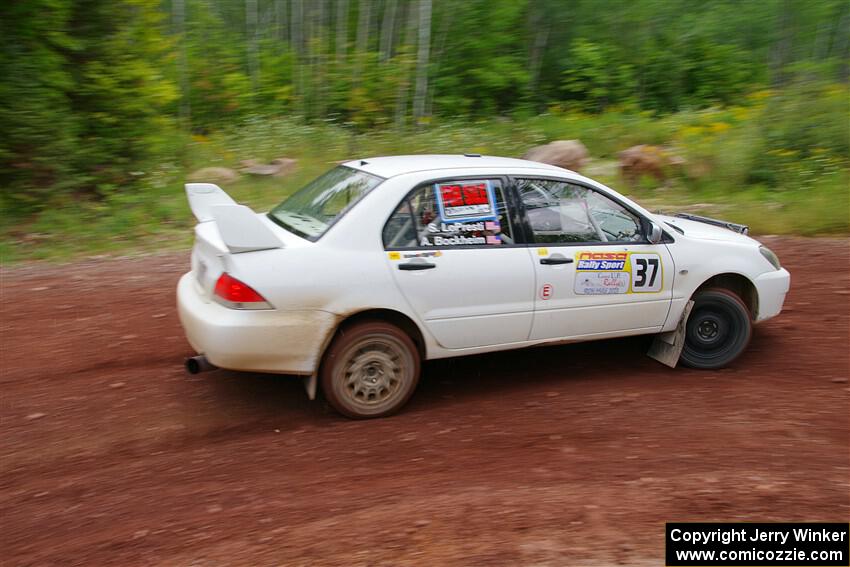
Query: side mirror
[655,233]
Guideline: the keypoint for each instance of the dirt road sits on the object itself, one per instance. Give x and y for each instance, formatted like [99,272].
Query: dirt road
[572,455]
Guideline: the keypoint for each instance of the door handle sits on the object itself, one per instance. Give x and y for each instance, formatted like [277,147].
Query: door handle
[556,260]
[416,266]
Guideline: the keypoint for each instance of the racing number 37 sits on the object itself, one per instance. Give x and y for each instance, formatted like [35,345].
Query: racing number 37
[645,276]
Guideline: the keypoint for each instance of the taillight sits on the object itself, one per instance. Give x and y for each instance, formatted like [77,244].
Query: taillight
[232,293]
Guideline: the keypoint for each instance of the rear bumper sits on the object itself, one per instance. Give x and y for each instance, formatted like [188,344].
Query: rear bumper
[286,342]
[772,288]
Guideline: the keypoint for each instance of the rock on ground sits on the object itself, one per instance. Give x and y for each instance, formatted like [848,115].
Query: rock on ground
[647,160]
[278,167]
[569,154]
[213,175]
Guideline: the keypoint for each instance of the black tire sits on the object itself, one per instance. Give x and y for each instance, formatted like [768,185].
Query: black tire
[370,370]
[718,330]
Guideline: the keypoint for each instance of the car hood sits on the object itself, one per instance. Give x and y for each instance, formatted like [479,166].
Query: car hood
[701,230]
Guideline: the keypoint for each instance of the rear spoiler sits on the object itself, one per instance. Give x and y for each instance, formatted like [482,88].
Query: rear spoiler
[734,227]
[240,227]
[203,196]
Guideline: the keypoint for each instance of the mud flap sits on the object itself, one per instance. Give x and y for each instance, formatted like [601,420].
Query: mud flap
[667,347]
[311,383]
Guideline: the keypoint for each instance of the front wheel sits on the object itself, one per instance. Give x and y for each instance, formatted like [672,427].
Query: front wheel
[718,330]
[370,370]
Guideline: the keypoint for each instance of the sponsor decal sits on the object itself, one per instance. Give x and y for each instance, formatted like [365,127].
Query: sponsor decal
[546,291]
[604,273]
[601,283]
[602,255]
[434,254]
[394,255]
[604,265]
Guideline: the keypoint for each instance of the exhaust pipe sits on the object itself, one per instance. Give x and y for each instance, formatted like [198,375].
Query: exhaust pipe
[198,364]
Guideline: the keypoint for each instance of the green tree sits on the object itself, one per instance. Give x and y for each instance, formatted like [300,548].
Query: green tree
[595,76]
[484,68]
[121,93]
[84,99]
[36,118]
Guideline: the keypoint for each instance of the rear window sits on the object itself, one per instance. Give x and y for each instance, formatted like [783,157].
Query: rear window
[450,214]
[313,209]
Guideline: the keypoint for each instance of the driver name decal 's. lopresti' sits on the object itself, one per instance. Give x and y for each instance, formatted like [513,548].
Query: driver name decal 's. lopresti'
[604,273]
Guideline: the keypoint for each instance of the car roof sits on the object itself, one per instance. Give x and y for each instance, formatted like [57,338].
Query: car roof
[390,166]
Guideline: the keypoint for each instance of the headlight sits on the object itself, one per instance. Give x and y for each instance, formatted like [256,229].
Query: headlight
[770,256]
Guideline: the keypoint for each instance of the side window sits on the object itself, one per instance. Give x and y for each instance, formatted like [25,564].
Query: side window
[451,214]
[561,212]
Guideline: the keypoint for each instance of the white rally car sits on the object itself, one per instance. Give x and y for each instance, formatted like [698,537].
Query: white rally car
[382,263]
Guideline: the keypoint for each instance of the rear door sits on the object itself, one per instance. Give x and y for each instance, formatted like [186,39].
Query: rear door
[451,247]
[596,272]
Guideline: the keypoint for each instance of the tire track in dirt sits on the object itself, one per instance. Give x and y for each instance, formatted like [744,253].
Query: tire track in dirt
[111,455]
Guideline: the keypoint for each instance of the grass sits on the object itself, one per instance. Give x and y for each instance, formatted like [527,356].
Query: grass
[798,194]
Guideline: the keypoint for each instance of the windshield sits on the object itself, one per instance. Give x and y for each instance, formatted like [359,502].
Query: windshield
[312,210]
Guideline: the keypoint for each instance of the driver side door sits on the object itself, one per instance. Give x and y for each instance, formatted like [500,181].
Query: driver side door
[597,274]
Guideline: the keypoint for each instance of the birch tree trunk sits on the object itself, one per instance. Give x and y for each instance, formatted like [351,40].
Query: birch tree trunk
[404,80]
[297,23]
[364,18]
[251,37]
[540,27]
[310,56]
[178,14]
[387,29]
[319,82]
[422,60]
[280,16]
[781,53]
[439,51]
[341,30]
[841,45]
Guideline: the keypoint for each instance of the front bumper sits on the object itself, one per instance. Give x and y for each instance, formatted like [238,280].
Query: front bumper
[772,288]
[286,342]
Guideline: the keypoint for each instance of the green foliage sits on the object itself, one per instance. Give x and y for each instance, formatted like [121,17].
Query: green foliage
[104,105]
[83,97]
[39,128]
[807,121]
[719,145]
[119,88]
[220,90]
[714,72]
[596,78]
[483,69]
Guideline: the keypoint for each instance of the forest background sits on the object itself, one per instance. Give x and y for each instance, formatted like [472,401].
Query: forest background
[107,106]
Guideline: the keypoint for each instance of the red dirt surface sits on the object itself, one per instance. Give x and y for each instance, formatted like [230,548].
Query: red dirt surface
[570,455]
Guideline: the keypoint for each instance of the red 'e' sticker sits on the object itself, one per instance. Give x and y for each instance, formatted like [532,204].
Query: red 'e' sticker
[546,291]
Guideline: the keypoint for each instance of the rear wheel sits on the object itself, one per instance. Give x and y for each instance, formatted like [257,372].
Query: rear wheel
[370,370]
[718,330]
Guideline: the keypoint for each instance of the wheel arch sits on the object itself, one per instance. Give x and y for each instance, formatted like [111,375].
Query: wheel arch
[397,318]
[739,284]
[392,316]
